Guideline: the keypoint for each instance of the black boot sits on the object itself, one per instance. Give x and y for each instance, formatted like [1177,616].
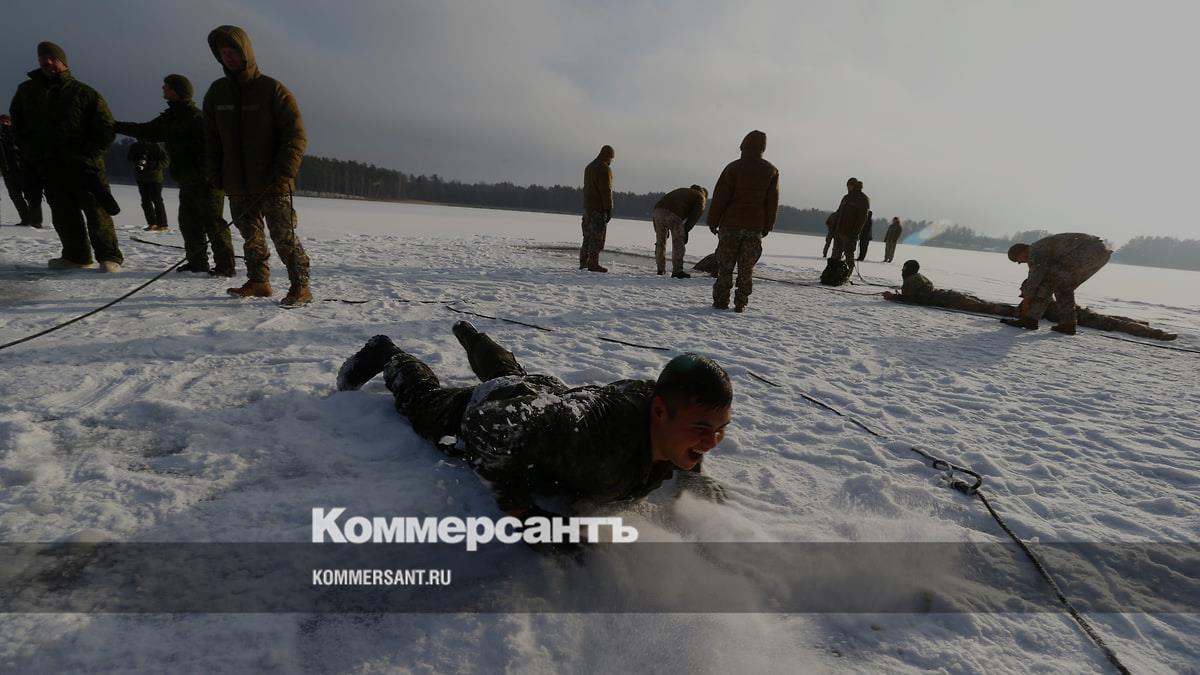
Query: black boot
[680,275]
[366,363]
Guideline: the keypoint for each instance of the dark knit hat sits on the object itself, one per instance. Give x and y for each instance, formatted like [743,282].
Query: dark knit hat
[51,49]
[180,85]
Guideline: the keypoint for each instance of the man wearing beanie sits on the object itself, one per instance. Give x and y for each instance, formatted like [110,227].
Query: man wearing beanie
[744,204]
[63,130]
[254,142]
[181,128]
[597,208]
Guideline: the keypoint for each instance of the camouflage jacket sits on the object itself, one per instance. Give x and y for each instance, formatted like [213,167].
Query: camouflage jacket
[686,203]
[589,442]
[61,123]
[1062,260]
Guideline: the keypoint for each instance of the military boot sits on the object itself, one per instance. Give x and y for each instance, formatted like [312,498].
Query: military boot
[251,289]
[1027,324]
[296,296]
[1064,328]
[680,275]
[366,363]
[65,264]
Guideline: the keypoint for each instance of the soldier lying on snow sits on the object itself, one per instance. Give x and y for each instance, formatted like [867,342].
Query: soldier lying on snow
[530,434]
[918,290]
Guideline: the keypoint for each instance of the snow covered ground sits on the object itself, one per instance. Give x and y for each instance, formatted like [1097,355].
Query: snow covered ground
[184,415]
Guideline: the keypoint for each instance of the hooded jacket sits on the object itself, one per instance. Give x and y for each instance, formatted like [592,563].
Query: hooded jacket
[746,196]
[254,134]
[61,123]
[852,213]
[597,183]
[181,128]
[893,233]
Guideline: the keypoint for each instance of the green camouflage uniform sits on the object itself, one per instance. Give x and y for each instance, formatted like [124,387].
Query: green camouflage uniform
[181,128]
[597,207]
[918,290]
[1057,266]
[63,129]
[280,219]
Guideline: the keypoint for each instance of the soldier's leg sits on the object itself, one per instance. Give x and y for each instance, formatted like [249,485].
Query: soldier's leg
[434,411]
[678,243]
[585,231]
[487,358]
[248,220]
[13,185]
[160,209]
[601,234]
[828,241]
[100,227]
[749,251]
[31,185]
[281,219]
[889,251]
[217,230]
[727,250]
[68,221]
[862,249]
[660,240]
[1064,299]
[146,193]
[192,212]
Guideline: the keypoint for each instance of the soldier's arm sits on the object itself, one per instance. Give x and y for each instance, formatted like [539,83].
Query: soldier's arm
[720,199]
[694,214]
[212,142]
[771,205]
[100,132]
[292,140]
[154,131]
[606,190]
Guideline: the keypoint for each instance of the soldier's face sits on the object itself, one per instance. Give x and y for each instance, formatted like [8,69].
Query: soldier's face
[685,435]
[50,65]
[231,59]
[169,93]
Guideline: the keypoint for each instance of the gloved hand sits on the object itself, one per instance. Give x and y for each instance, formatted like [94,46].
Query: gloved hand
[607,216]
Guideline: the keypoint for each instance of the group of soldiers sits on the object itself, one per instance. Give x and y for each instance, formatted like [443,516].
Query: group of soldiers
[742,212]
[246,143]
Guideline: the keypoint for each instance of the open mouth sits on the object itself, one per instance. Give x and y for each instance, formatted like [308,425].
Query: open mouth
[695,455]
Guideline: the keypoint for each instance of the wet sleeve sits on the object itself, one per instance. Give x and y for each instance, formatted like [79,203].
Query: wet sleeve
[720,198]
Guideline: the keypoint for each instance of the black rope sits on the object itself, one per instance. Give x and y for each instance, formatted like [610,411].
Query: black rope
[176,246]
[496,318]
[634,344]
[81,317]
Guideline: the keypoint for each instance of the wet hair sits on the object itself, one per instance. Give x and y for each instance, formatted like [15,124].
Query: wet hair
[693,379]
[1016,250]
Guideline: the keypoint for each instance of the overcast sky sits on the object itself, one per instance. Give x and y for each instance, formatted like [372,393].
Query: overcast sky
[1002,116]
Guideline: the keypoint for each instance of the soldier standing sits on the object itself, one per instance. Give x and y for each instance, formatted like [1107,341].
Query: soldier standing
[891,239]
[254,142]
[181,127]
[675,215]
[744,205]
[63,129]
[597,208]
[148,163]
[1058,265]
[851,216]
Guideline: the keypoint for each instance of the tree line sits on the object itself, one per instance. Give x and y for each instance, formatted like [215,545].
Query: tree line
[326,177]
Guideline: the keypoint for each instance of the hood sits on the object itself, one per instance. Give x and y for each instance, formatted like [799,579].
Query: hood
[232,35]
[755,143]
[606,153]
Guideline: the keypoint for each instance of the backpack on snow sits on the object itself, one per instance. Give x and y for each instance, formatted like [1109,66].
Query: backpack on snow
[836,273]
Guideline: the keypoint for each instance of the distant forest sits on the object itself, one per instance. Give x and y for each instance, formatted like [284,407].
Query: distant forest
[325,177]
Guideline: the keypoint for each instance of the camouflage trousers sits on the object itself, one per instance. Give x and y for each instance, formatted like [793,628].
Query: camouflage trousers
[83,226]
[202,224]
[249,212]
[594,229]
[741,249]
[666,223]
[1061,284]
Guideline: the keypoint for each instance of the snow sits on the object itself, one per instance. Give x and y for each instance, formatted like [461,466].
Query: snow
[185,415]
